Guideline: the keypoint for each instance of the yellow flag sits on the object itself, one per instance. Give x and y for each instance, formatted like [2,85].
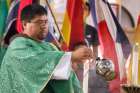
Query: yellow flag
[133,66]
[137,40]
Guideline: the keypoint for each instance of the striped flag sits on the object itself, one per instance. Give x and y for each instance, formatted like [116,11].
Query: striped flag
[72,28]
[121,36]
[110,44]
[107,45]
[123,47]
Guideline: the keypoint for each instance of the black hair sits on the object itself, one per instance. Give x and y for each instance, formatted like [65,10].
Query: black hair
[79,44]
[29,12]
[87,4]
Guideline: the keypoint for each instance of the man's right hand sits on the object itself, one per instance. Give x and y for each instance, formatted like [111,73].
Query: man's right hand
[81,54]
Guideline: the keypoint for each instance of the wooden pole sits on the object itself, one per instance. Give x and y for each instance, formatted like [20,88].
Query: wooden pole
[62,40]
[61,34]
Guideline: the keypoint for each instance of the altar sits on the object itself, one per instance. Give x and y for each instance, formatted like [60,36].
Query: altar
[127,88]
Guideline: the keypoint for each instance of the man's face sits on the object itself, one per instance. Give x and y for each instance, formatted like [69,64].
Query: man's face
[38,27]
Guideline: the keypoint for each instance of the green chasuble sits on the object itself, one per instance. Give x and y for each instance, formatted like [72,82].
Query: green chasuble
[27,67]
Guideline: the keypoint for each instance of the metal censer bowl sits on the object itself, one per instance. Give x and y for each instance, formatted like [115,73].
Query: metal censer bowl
[105,68]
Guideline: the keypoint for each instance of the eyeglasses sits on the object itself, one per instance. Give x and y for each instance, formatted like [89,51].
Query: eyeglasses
[39,22]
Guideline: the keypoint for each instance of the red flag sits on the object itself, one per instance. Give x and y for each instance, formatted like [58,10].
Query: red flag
[122,40]
[107,45]
[73,27]
[23,3]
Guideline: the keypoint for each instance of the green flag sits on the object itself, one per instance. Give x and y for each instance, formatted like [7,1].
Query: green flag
[3,15]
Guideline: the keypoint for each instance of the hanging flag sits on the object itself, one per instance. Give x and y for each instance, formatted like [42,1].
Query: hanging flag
[10,27]
[133,65]
[137,33]
[11,17]
[3,16]
[72,28]
[121,36]
[137,41]
[11,22]
[122,44]
[93,11]
[107,44]
[23,3]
